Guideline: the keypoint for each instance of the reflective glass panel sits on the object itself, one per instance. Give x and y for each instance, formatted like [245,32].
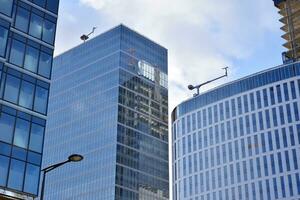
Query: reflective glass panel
[48,32]
[21,133]
[22,19]
[12,88]
[17,53]
[36,138]
[31,59]
[6,127]
[3,40]
[31,179]
[4,161]
[45,65]
[36,24]
[16,174]
[26,94]
[6,6]
[40,101]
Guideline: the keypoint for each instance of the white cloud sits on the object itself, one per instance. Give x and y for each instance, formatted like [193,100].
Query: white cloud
[202,35]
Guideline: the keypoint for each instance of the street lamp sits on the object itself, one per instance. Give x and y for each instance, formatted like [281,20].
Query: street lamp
[71,158]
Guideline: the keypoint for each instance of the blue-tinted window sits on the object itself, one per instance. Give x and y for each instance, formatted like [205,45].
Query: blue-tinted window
[270,141]
[22,19]
[298,182]
[254,124]
[216,113]
[4,161]
[31,59]
[6,6]
[289,114]
[261,121]
[239,103]
[282,186]
[227,111]
[284,137]
[241,125]
[26,94]
[246,108]
[263,142]
[17,53]
[280,162]
[293,89]
[265,95]
[287,161]
[34,158]
[3,40]
[12,89]
[6,127]
[274,116]
[258,99]
[281,114]
[286,92]
[290,185]
[31,179]
[252,101]
[295,159]
[19,153]
[292,136]
[16,174]
[278,90]
[273,164]
[233,108]
[266,166]
[21,133]
[40,100]
[188,123]
[210,115]
[41,3]
[296,111]
[221,108]
[204,117]
[5,149]
[48,32]
[272,95]
[52,5]
[277,139]
[36,138]
[275,188]
[36,26]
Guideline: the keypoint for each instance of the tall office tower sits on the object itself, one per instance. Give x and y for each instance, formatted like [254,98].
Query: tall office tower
[240,140]
[109,102]
[27,32]
[290,11]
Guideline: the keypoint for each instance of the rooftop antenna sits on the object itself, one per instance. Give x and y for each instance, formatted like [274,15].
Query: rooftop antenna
[86,37]
[191,87]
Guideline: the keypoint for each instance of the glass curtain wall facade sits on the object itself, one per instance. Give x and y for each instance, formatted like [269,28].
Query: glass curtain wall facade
[240,140]
[27,32]
[109,102]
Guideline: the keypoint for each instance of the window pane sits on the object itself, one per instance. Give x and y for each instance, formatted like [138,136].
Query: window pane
[3,169]
[21,133]
[3,40]
[16,174]
[31,59]
[6,127]
[35,28]
[40,2]
[48,32]
[17,53]
[6,6]
[22,19]
[26,94]
[52,5]
[40,101]
[45,65]
[12,88]
[36,138]
[31,179]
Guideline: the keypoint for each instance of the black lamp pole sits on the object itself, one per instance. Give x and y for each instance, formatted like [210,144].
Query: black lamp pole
[72,158]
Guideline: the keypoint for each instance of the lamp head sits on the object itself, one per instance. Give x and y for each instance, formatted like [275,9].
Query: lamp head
[190,87]
[75,158]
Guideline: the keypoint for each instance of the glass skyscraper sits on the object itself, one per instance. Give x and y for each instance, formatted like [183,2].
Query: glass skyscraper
[27,32]
[240,140]
[109,102]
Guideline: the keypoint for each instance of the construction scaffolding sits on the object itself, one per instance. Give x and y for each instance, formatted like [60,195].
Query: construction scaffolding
[290,12]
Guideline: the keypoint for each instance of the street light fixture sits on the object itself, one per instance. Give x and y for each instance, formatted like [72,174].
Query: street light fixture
[71,158]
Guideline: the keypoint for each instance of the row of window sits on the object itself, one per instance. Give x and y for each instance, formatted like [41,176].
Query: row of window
[241,105]
[19,175]
[237,87]
[35,23]
[21,129]
[242,126]
[242,171]
[239,149]
[274,188]
[24,90]
[30,56]
[7,5]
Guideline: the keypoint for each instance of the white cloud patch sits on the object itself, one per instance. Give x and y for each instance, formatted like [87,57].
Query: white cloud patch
[201,35]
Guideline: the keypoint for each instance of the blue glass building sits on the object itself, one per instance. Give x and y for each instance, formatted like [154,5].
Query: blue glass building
[27,32]
[109,102]
[240,140]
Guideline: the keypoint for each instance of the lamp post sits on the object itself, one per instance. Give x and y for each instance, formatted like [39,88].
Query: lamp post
[71,158]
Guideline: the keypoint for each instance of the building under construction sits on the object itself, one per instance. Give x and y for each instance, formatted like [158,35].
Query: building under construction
[290,12]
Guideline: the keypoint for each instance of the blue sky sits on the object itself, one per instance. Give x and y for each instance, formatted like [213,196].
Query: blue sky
[202,36]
